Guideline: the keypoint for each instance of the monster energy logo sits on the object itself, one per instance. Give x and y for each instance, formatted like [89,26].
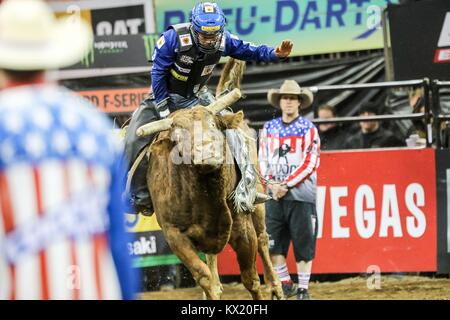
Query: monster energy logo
[149,44]
[88,58]
[103,47]
[109,47]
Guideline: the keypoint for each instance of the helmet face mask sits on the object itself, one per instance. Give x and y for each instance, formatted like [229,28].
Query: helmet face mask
[207,26]
[207,42]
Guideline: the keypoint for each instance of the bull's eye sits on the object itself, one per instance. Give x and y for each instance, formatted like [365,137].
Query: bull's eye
[212,124]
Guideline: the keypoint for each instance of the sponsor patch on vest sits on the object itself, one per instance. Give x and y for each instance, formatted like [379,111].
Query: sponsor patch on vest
[208,69]
[178,76]
[185,40]
[184,70]
[187,59]
[160,42]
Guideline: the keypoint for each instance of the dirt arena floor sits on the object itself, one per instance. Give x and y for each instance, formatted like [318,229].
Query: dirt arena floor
[390,288]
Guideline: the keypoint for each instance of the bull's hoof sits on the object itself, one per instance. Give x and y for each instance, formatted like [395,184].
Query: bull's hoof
[276,295]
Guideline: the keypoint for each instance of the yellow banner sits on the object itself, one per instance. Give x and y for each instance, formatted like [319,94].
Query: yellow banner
[140,223]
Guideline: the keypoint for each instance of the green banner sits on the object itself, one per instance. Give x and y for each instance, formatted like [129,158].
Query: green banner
[315,26]
[154,261]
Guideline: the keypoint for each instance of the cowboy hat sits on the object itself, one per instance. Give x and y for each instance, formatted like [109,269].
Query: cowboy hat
[32,39]
[290,87]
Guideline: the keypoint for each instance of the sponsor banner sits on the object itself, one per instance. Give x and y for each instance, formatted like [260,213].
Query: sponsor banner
[148,247]
[443,210]
[124,32]
[118,52]
[315,26]
[110,18]
[116,100]
[426,46]
[138,223]
[376,212]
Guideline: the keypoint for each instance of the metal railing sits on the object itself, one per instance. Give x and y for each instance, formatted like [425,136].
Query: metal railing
[426,115]
[436,85]
[432,104]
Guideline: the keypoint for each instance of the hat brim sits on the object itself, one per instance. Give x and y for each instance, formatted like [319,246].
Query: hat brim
[273,96]
[66,46]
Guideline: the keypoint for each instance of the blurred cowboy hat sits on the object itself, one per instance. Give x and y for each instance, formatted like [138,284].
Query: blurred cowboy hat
[290,87]
[31,38]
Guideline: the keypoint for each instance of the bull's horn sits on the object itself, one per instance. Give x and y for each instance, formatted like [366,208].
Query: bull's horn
[225,101]
[153,127]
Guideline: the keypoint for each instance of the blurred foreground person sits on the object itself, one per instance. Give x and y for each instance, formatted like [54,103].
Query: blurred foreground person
[61,178]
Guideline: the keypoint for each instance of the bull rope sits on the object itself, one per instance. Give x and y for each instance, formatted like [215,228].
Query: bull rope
[134,167]
[264,180]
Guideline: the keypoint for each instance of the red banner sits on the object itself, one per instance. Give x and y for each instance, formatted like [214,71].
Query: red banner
[376,211]
[116,100]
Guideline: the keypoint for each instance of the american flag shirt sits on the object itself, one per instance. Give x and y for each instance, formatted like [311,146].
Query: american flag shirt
[290,153]
[61,215]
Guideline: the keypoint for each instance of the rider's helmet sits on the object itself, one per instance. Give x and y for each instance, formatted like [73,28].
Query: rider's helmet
[207,26]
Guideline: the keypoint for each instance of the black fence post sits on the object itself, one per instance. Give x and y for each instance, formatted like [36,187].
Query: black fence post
[426,93]
[436,105]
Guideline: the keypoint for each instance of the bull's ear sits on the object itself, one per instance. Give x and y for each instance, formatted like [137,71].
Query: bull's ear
[161,145]
[232,120]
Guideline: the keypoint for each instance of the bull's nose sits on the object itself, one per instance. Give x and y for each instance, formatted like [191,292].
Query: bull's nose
[208,154]
[212,161]
[208,149]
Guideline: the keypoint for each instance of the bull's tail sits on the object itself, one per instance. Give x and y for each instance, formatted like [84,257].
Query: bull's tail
[231,76]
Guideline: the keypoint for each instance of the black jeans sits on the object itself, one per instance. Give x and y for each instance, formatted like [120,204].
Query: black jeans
[146,113]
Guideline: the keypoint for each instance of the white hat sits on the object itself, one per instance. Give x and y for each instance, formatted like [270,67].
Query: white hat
[32,39]
[290,87]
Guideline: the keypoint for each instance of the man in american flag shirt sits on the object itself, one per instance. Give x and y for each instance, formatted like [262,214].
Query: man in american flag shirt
[61,174]
[289,158]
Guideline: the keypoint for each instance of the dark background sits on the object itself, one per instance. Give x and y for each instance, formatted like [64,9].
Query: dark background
[415,28]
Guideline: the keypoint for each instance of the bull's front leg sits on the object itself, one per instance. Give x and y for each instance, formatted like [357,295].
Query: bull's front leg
[211,261]
[244,243]
[270,277]
[182,246]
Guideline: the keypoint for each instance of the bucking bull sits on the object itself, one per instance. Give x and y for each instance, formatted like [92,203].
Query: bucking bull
[190,181]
